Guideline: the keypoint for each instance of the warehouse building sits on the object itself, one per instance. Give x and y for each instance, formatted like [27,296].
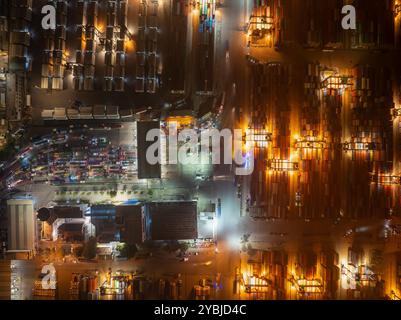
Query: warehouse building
[173,220]
[21,228]
[131,223]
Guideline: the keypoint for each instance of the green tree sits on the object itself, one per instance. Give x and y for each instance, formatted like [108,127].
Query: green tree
[122,249]
[126,251]
[184,247]
[8,150]
[78,251]
[89,251]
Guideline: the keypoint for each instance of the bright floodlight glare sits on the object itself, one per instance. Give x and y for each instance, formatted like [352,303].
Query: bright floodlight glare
[234,242]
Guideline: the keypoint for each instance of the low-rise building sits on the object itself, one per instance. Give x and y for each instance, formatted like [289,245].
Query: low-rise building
[21,228]
[173,220]
[131,223]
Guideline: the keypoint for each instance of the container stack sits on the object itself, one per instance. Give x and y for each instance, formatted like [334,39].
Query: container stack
[306,265]
[5,280]
[59,54]
[39,292]
[141,48]
[310,111]
[119,68]
[371,117]
[91,38]
[21,19]
[202,292]
[278,273]
[78,69]
[330,273]
[313,25]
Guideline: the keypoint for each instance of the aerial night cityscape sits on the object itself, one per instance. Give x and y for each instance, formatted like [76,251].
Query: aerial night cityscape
[229,150]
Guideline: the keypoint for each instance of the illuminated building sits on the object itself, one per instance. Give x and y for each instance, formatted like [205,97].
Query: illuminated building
[310,143]
[357,277]
[332,80]
[181,121]
[260,27]
[207,9]
[385,179]
[257,138]
[361,146]
[282,165]
[21,228]
[306,287]
[131,222]
[264,275]
[172,220]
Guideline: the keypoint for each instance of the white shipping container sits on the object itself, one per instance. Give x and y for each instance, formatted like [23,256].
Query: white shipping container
[72,114]
[57,84]
[47,114]
[44,83]
[60,114]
